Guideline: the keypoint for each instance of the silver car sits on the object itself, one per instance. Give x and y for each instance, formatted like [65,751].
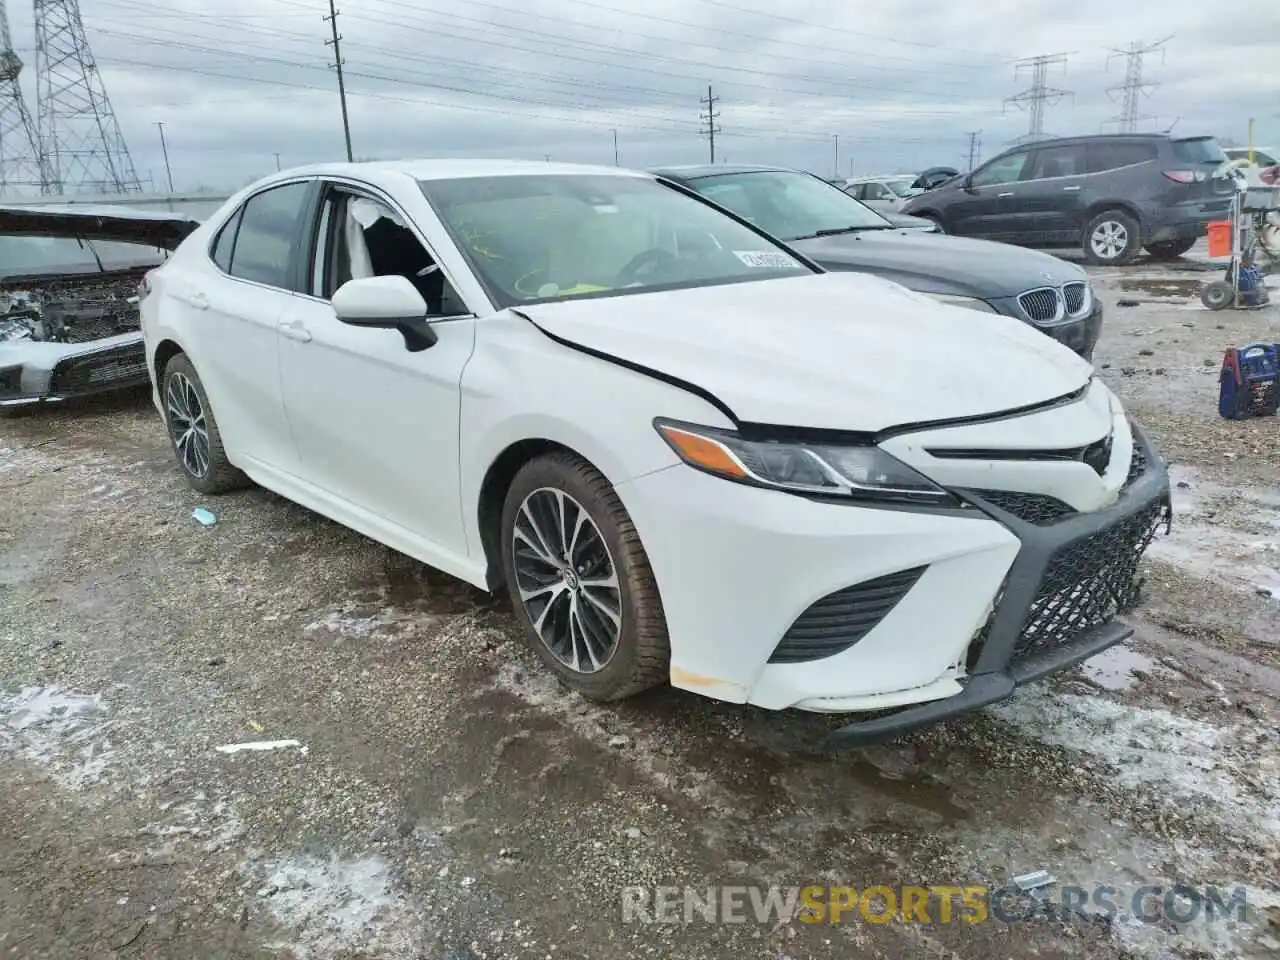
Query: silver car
[68,305]
[885,194]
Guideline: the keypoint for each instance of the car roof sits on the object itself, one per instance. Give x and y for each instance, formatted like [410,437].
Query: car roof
[698,171]
[454,169]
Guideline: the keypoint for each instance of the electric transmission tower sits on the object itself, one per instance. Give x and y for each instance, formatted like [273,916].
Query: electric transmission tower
[1130,93]
[22,167]
[710,118]
[1040,94]
[78,130]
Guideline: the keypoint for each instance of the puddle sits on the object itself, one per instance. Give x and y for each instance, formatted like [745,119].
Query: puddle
[1117,668]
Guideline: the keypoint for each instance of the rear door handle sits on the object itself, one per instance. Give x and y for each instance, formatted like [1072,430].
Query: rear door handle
[294,330]
[1069,188]
[1003,195]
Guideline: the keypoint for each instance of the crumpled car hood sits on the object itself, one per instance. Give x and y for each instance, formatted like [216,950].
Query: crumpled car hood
[838,351]
[153,228]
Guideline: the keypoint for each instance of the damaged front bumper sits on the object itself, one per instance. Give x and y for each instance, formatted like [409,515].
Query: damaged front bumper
[1058,607]
[42,372]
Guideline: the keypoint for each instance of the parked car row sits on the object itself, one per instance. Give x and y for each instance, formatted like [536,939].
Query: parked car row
[687,451]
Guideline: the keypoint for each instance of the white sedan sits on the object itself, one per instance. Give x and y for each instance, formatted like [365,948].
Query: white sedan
[688,454]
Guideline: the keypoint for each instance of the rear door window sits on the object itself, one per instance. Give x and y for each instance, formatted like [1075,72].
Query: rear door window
[270,230]
[1065,161]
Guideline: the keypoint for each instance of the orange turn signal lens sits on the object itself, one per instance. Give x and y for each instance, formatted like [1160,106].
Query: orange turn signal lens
[703,452]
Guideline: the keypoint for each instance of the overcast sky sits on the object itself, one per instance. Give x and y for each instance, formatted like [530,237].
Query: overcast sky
[870,87]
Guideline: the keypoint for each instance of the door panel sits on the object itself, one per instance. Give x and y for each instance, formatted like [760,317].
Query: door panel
[988,209]
[1049,201]
[375,424]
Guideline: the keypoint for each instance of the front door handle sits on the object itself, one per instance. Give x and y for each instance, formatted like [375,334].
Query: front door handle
[1070,188]
[294,330]
[1003,195]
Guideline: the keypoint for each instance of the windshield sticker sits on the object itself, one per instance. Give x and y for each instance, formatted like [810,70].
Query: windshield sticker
[766,261]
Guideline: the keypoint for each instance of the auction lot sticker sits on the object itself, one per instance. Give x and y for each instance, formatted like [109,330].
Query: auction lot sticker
[766,260]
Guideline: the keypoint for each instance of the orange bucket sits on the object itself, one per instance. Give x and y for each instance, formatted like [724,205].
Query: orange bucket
[1219,232]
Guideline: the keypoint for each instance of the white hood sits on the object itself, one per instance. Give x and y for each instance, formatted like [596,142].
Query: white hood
[841,351]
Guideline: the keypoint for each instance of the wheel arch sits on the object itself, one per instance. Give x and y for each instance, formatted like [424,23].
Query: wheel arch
[1102,206]
[166,350]
[493,494]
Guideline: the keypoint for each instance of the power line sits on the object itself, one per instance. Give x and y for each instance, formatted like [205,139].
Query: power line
[332,19]
[710,118]
[1040,93]
[1133,89]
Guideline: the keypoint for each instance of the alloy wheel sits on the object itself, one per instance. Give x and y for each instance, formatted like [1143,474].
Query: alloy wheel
[1109,240]
[187,425]
[567,580]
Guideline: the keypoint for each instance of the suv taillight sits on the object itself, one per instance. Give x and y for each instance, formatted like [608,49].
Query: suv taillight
[1185,176]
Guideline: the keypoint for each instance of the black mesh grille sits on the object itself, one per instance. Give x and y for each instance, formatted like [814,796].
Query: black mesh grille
[1089,581]
[1137,466]
[1037,508]
[839,620]
[1040,306]
[119,365]
[1074,295]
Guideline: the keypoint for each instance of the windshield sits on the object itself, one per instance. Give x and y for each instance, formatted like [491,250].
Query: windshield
[551,237]
[789,205]
[1199,150]
[22,256]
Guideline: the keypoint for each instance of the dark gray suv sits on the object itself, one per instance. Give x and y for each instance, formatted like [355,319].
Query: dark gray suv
[1110,195]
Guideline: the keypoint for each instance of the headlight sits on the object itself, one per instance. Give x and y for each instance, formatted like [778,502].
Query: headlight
[855,472]
[973,303]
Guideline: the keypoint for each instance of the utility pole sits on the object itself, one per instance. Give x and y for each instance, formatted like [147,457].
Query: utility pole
[710,118]
[342,87]
[277,156]
[835,167]
[1133,89]
[164,148]
[975,149]
[1040,93]
[615,148]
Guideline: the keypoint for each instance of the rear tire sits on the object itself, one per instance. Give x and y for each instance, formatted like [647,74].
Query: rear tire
[1170,249]
[1111,239]
[580,581]
[193,431]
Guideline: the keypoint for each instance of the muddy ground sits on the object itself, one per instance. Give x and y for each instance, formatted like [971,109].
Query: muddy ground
[437,796]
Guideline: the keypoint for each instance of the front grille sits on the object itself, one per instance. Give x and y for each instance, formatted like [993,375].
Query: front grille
[1137,467]
[839,620]
[1041,306]
[1037,508]
[119,365]
[1089,581]
[1075,296]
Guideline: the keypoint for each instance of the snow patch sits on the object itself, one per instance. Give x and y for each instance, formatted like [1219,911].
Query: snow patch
[345,625]
[260,745]
[1193,760]
[67,732]
[338,906]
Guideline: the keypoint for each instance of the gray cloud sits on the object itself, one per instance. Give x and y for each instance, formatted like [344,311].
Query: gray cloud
[898,82]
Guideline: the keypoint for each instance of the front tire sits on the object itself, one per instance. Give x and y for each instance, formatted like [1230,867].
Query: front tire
[1170,249]
[193,431]
[580,581]
[1111,239]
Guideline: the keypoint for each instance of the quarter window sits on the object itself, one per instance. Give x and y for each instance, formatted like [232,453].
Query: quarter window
[1104,155]
[226,242]
[270,228]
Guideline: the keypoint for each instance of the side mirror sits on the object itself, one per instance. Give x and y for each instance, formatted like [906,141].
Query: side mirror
[391,303]
[967,183]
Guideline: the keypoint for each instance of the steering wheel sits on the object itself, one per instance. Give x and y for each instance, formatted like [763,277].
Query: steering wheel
[654,256]
[531,277]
